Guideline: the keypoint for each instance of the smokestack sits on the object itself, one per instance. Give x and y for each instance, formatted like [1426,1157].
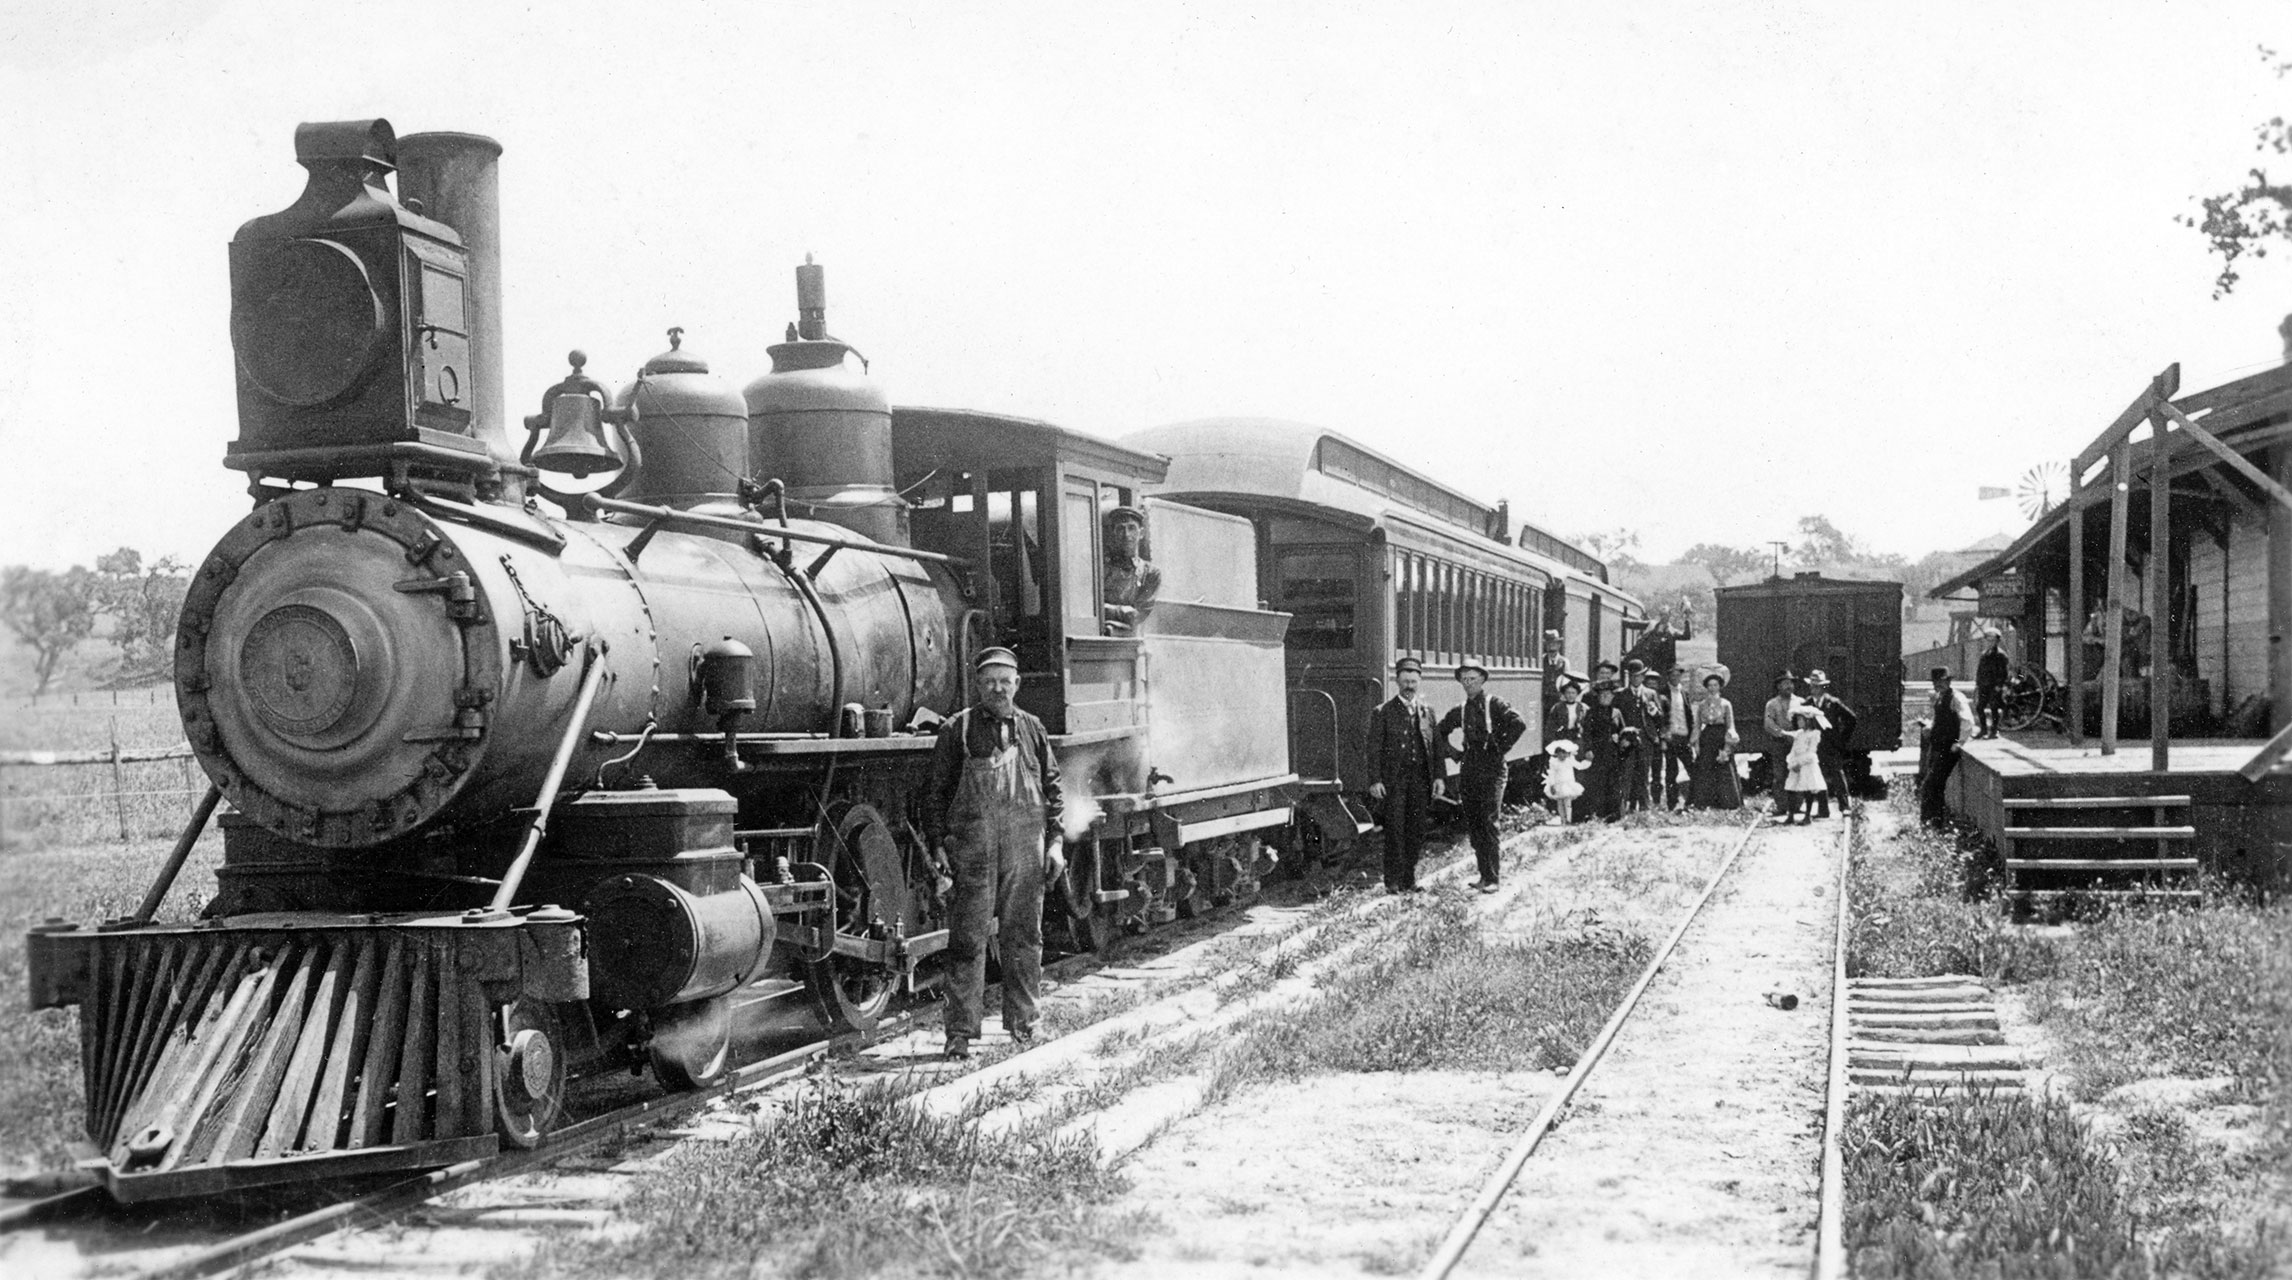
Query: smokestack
[456,176]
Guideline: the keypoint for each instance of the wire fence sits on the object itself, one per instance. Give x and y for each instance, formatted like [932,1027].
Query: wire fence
[94,767]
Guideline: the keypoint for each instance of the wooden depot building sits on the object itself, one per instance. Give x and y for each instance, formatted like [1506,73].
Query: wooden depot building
[2164,580]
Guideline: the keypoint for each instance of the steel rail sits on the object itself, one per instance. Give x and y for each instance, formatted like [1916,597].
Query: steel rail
[1830,1236]
[386,1203]
[1459,1238]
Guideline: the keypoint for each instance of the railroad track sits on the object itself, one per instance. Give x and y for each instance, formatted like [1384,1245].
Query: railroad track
[1830,1259]
[236,1250]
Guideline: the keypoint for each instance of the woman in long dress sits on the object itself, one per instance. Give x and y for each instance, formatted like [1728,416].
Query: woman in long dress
[1603,778]
[1712,783]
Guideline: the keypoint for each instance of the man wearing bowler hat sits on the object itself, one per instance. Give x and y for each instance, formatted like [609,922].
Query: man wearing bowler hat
[993,810]
[1404,772]
[1491,727]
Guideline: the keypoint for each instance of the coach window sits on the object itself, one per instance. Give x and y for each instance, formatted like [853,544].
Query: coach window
[1317,591]
[1404,625]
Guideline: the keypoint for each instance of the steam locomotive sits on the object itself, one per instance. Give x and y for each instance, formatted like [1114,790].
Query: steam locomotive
[532,774]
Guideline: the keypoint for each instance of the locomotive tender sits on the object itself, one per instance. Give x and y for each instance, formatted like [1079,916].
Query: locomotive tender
[526,783]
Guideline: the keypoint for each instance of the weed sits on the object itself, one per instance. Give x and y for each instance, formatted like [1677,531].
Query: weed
[1435,993]
[843,1181]
[2011,1186]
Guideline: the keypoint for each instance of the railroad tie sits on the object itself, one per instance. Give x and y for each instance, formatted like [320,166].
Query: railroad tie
[1931,1036]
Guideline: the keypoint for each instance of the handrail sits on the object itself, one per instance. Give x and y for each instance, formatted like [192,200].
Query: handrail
[670,515]
[514,878]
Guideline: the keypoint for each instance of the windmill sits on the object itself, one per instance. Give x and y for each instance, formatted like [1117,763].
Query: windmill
[2041,489]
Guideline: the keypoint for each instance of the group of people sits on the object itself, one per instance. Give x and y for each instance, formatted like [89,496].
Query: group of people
[1408,748]
[1636,741]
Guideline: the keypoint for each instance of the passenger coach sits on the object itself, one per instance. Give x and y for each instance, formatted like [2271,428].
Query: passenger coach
[1376,561]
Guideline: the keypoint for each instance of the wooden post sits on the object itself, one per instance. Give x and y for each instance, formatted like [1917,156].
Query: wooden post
[2159,593]
[2113,604]
[2073,650]
[2280,597]
[118,782]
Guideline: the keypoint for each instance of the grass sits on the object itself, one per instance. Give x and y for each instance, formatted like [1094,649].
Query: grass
[1434,992]
[2095,1181]
[2011,1187]
[843,1181]
[40,1098]
[83,804]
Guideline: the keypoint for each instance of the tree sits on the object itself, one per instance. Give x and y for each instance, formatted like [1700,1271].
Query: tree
[49,611]
[1614,546]
[143,603]
[2240,223]
[1727,564]
[1822,543]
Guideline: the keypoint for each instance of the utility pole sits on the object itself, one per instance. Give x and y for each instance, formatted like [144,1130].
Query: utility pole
[1779,547]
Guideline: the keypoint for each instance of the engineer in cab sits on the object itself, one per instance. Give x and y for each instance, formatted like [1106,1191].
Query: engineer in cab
[1132,581]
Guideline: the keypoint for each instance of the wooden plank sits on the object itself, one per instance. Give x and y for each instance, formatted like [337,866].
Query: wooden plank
[2099,802]
[2236,461]
[448,1072]
[2266,759]
[196,1124]
[323,1131]
[2160,609]
[2101,864]
[2113,606]
[2166,384]
[2104,833]
[282,1128]
[380,1061]
[2137,891]
[409,1120]
[2074,648]
[258,1091]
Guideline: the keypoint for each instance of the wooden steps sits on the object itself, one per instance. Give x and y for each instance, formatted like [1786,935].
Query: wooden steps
[2052,854]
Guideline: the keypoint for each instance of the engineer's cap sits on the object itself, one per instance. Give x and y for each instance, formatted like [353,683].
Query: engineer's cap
[996,657]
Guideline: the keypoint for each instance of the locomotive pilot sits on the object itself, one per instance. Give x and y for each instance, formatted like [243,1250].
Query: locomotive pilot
[1132,581]
[1491,727]
[1405,773]
[993,810]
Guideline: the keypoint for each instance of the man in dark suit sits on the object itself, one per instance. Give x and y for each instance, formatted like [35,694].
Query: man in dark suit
[1836,736]
[1636,745]
[1405,773]
[1491,727]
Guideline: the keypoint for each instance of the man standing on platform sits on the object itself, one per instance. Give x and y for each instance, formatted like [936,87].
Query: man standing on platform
[1491,727]
[1837,734]
[993,810]
[1678,737]
[1405,773]
[1943,737]
[1990,671]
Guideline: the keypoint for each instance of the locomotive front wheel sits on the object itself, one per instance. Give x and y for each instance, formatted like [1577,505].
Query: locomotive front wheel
[691,1046]
[529,1074]
[851,994]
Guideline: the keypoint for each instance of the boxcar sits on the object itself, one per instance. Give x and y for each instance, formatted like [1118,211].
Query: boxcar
[1851,630]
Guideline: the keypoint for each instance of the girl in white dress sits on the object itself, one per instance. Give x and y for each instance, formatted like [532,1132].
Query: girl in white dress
[1561,786]
[1804,791]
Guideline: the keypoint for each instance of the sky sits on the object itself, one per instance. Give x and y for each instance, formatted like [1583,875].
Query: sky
[1690,270]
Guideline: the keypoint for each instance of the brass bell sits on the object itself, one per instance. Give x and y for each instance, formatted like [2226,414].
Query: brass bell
[576,443]
[574,414]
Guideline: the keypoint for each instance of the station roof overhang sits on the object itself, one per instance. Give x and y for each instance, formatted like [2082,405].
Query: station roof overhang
[2245,415]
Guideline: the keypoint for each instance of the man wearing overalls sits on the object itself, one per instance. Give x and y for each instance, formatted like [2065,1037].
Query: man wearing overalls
[993,811]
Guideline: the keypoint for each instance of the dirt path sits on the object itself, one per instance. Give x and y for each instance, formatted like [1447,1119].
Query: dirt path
[1695,1148]
[1697,1154]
